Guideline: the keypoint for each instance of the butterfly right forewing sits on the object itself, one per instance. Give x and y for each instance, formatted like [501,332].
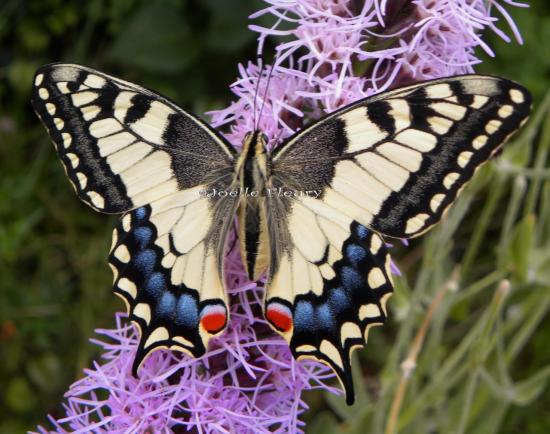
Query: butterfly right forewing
[389,165]
[401,157]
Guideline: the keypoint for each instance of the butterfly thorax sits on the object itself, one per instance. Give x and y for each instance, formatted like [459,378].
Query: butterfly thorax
[252,177]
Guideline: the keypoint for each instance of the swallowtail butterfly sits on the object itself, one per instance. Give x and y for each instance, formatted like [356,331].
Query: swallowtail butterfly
[314,213]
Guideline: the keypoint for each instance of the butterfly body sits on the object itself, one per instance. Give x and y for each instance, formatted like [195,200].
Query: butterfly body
[252,168]
[313,213]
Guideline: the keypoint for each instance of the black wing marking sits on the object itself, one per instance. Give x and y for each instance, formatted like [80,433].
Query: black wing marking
[123,146]
[396,161]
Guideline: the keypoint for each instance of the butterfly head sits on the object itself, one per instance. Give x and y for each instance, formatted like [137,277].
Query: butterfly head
[255,142]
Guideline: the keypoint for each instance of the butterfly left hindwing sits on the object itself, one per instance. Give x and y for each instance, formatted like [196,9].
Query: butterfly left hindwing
[387,165]
[167,259]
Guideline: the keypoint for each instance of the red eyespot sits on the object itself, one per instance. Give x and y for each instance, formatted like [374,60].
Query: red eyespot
[213,318]
[280,316]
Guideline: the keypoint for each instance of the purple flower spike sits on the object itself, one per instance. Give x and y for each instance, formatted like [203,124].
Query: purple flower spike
[248,381]
[334,53]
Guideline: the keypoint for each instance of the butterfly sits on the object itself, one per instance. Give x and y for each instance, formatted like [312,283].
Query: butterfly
[314,213]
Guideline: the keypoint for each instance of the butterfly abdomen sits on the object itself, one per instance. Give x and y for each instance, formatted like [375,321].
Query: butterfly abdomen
[253,237]
[252,174]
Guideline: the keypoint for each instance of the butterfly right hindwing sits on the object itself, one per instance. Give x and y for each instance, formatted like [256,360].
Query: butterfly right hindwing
[328,285]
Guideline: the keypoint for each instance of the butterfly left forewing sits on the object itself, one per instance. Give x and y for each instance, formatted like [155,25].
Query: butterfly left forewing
[129,150]
[123,146]
[167,260]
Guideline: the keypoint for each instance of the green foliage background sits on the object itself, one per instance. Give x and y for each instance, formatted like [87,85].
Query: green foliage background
[484,365]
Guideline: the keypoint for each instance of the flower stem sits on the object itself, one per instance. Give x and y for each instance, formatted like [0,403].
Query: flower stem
[409,364]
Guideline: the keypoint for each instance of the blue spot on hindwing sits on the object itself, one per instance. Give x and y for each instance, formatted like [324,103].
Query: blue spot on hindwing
[338,300]
[362,232]
[167,304]
[355,253]
[187,312]
[324,317]
[156,285]
[140,213]
[143,235]
[303,316]
[145,261]
[351,279]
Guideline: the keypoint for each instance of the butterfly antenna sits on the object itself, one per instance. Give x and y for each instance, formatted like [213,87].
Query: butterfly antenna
[260,60]
[266,89]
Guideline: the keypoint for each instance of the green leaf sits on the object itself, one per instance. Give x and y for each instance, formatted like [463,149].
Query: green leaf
[19,395]
[520,246]
[32,37]
[157,39]
[228,29]
[20,74]
[324,422]
[45,371]
[528,390]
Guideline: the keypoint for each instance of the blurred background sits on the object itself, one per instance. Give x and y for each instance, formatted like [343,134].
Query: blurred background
[485,363]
